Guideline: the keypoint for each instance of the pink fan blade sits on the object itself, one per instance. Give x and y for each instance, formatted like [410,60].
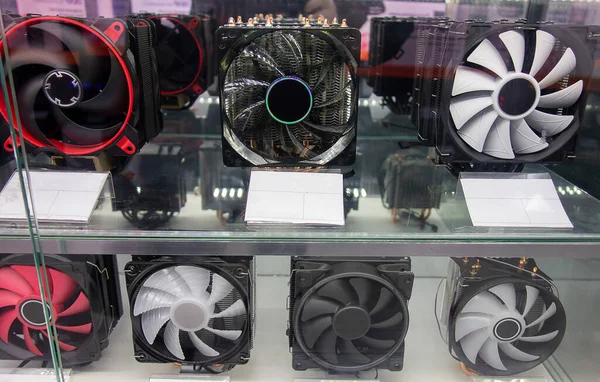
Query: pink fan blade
[11,280]
[30,274]
[81,329]
[82,304]
[63,346]
[63,286]
[29,342]
[6,321]
[8,298]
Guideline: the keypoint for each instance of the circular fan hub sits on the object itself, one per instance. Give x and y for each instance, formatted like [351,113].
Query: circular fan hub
[63,88]
[31,313]
[189,315]
[289,100]
[516,96]
[507,329]
[351,322]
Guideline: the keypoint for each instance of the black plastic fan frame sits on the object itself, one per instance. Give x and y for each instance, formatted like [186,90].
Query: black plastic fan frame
[238,271]
[310,274]
[231,40]
[497,272]
[97,277]
[452,43]
[194,54]
[132,42]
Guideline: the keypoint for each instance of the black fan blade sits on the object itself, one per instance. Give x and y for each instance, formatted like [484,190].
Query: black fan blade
[337,96]
[87,55]
[26,97]
[33,56]
[305,152]
[385,298]
[325,67]
[242,84]
[83,135]
[349,351]
[262,58]
[391,322]
[112,101]
[337,129]
[377,344]
[338,290]
[363,289]
[247,113]
[326,347]
[312,330]
[316,306]
[290,45]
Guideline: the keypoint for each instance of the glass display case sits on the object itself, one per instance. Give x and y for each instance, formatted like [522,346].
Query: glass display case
[131,135]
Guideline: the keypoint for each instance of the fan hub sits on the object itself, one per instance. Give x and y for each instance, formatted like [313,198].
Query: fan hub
[289,100]
[351,322]
[189,315]
[516,96]
[507,329]
[63,88]
[31,313]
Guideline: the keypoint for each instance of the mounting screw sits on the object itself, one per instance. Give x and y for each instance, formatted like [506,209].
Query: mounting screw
[140,356]
[131,269]
[475,268]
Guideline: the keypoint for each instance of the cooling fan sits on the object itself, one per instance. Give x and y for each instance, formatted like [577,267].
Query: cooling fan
[184,54]
[288,94]
[349,316]
[195,314]
[85,307]
[502,320]
[82,87]
[510,92]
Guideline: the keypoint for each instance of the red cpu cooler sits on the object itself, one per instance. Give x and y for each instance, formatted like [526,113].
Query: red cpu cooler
[81,87]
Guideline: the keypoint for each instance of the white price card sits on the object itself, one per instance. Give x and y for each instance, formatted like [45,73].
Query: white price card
[295,197]
[523,201]
[31,375]
[58,196]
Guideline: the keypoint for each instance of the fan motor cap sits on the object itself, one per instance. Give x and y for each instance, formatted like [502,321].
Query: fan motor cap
[516,96]
[351,322]
[289,100]
[63,88]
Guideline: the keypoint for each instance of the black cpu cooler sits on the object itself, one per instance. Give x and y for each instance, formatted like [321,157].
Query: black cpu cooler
[504,92]
[82,87]
[288,94]
[86,306]
[197,312]
[503,315]
[349,316]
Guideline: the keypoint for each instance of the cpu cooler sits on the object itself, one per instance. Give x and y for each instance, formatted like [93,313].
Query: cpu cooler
[349,315]
[288,94]
[505,92]
[85,306]
[184,51]
[195,312]
[81,87]
[502,315]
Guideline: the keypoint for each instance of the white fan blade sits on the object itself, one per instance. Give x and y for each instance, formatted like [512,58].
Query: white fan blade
[506,293]
[542,338]
[486,303]
[220,289]
[464,107]
[153,321]
[150,298]
[491,355]
[515,44]
[551,124]
[476,130]
[488,56]
[546,315]
[472,343]
[197,279]
[516,354]
[229,334]
[171,337]
[236,309]
[202,347]
[564,66]
[532,295]
[544,43]
[498,143]
[468,323]
[168,281]
[524,140]
[562,98]
[471,80]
